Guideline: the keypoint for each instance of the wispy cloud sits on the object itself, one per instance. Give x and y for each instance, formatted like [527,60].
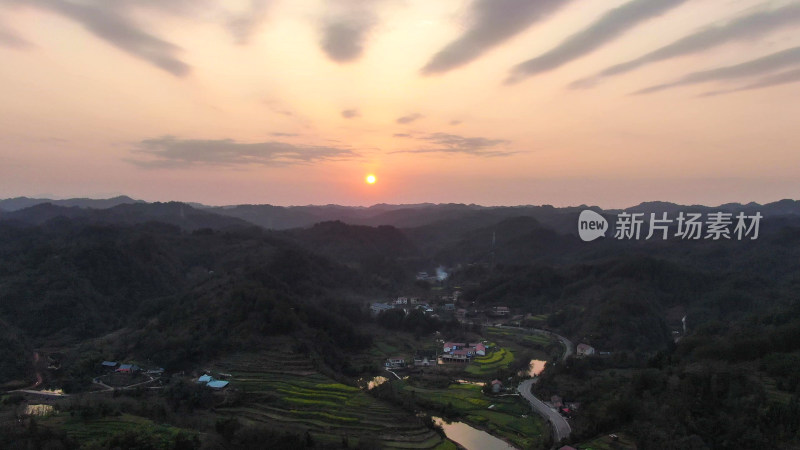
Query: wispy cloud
[745,27]
[350,113]
[11,39]
[493,22]
[118,23]
[409,118]
[608,27]
[759,66]
[452,143]
[280,134]
[109,22]
[173,152]
[277,107]
[244,24]
[792,76]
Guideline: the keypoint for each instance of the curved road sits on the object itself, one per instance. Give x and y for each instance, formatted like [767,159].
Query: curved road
[561,428]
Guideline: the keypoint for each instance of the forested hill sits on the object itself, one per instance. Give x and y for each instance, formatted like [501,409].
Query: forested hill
[178,296]
[174,286]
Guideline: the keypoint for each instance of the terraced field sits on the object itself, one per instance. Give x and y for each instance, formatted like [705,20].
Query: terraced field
[500,358]
[92,432]
[284,389]
[517,338]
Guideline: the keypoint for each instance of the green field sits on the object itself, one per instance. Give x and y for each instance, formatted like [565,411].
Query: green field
[500,358]
[516,339]
[93,433]
[283,390]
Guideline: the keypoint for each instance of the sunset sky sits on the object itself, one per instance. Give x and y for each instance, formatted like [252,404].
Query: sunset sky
[294,102]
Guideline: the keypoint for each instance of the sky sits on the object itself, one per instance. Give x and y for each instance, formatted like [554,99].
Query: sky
[493,102]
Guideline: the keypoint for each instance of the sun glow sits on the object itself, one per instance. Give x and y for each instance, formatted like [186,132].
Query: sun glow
[371,179]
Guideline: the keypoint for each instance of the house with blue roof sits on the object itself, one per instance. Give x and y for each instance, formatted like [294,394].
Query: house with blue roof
[217,384]
[205,379]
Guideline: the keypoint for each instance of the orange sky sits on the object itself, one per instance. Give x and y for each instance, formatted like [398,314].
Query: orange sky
[295,102]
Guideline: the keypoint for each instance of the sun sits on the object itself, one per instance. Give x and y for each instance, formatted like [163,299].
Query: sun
[371,179]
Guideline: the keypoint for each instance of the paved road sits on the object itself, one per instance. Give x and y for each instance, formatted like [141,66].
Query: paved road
[570,347]
[109,388]
[561,428]
[391,372]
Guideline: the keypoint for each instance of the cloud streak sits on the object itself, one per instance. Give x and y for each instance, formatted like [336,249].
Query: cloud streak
[493,22]
[113,22]
[792,76]
[608,27]
[408,119]
[453,143]
[759,66]
[350,113]
[11,39]
[746,27]
[172,152]
[108,22]
[243,25]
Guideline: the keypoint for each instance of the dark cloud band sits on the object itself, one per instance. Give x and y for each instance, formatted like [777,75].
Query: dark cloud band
[611,25]
[493,22]
[746,27]
[173,152]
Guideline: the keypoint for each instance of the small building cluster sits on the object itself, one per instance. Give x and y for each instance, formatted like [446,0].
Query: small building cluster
[500,311]
[395,362]
[461,352]
[425,359]
[406,304]
[566,409]
[497,386]
[585,350]
[121,368]
[447,307]
[209,381]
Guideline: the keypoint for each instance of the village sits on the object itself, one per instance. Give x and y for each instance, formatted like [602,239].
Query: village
[480,370]
[494,340]
[117,375]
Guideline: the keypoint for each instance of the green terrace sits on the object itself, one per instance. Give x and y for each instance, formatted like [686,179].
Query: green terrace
[283,390]
[499,358]
[515,338]
[94,433]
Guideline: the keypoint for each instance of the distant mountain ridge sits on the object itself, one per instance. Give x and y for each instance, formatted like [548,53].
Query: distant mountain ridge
[405,216]
[173,213]
[17,203]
